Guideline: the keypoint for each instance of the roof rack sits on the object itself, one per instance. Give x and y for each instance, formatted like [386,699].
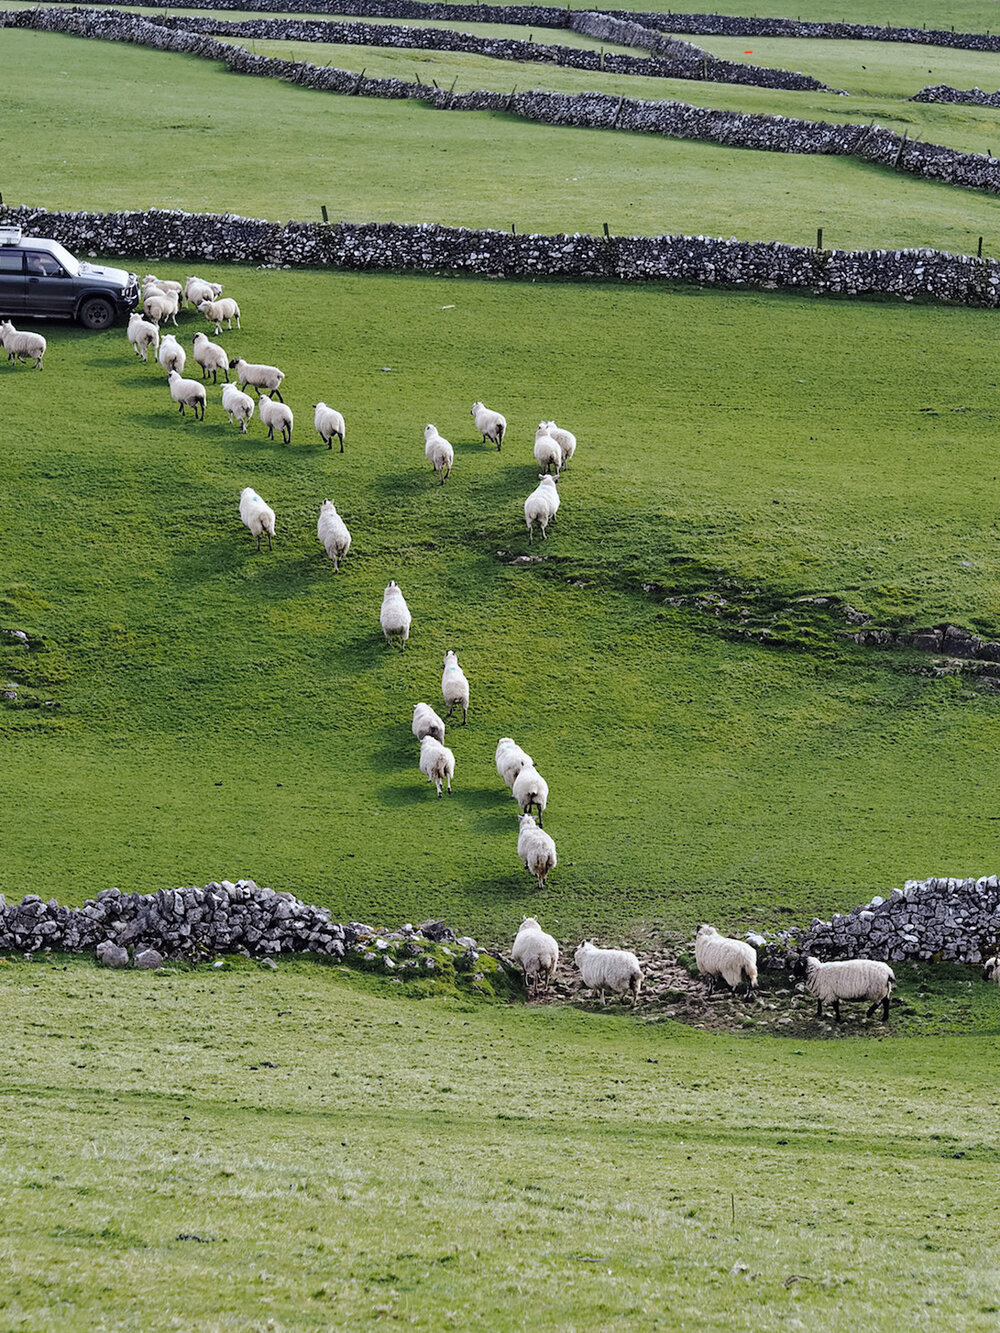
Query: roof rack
[10,235]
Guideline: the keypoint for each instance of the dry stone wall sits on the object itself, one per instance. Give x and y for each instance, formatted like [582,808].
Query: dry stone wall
[167,235]
[942,93]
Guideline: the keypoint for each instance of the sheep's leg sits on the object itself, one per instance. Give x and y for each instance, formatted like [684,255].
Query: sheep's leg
[465,714]
[341,439]
[276,393]
[329,442]
[885,1009]
[448,780]
[258,541]
[531,533]
[269,546]
[836,1011]
[819,1008]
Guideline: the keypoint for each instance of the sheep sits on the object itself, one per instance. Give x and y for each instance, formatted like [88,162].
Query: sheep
[187,393]
[510,759]
[171,354]
[211,357]
[142,335]
[536,953]
[238,405]
[23,346]
[565,439]
[276,414]
[548,454]
[329,423]
[531,789]
[163,284]
[437,763]
[395,617]
[225,308]
[491,425]
[535,849]
[332,531]
[616,970]
[258,377]
[455,685]
[541,505]
[991,969]
[851,979]
[427,723]
[439,451]
[197,290]
[734,961]
[159,306]
[256,515]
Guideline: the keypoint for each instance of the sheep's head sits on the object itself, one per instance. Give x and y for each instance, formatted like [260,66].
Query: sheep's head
[430,430]
[476,407]
[991,967]
[528,923]
[526,821]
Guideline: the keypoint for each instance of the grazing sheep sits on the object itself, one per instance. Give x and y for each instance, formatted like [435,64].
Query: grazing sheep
[616,970]
[439,451]
[991,969]
[437,763]
[395,617]
[211,357]
[171,355]
[535,849]
[276,414]
[142,335]
[565,439]
[159,306]
[329,423]
[536,953]
[531,789]
[225,308]
[162,284]
[23,346]
[510,759]
[256,515]
[548,454]
[541,505]
[734,961]
[331,530]
[427,723]
[238,405]
[491,425]
[197,290]
[850,979]
[187,393]
[455,685]
[258,377]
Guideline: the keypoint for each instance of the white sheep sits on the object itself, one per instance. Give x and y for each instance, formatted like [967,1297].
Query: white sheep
[23,346]
[541,505]
[332,531]
[142,334]
[225,308]
[258,376]
[427,723]
[276,414]
[395,617]
[531,789]
[164,284]
[510,759]
[238,405]
[159,306]
[991,969]
[548,454]
[565,439]
[850,979]
[535,849]
[171,354]
[256,515]
[329,423]
[437,763]
[439,451]
[536,953]
[187,393]
[455,685]
[211,357]
[491,425]
[197,290]
[734,961]
[616,970]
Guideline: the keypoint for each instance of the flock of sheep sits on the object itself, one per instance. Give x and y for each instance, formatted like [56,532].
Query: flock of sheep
[719,959]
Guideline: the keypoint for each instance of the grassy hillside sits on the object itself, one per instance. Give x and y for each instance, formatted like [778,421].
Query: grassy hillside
[77,144]
[294,1150]
[223,712]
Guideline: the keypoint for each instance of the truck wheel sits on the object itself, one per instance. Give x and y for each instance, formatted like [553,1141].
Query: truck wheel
[96,313]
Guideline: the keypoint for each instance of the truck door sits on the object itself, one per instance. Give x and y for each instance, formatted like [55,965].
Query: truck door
[12,281]
[49,286]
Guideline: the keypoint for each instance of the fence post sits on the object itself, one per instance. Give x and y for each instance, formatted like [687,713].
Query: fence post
[819,238]
[980,253]
[513,229]
[607,234]
[326,216]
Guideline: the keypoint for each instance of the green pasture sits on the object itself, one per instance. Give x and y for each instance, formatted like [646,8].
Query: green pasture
[224,713]
[300,1150]
[77,143]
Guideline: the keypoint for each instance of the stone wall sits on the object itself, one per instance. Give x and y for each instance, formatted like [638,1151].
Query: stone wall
[162,236]
[781,134]
[942,93]
[954,919]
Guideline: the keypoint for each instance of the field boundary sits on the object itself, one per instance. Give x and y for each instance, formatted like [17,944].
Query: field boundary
[156,234]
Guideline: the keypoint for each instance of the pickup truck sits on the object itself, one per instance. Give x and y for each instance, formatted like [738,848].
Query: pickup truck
[40,279]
